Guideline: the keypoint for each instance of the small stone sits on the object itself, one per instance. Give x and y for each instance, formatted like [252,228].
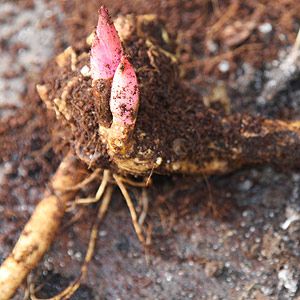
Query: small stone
[213,269]
[159,161]
[224,66]
[85,71]
[265,28]
[288,279]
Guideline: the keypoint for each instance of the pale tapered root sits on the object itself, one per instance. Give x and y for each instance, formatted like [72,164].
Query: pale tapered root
[40,230]
[69,291]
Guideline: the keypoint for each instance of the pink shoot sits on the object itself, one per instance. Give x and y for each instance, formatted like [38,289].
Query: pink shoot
[106,50]
[124,99]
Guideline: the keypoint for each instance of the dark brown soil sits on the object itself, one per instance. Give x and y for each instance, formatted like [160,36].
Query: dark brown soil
[216,239]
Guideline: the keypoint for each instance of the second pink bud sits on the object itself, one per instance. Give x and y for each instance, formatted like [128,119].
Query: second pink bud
[124,100]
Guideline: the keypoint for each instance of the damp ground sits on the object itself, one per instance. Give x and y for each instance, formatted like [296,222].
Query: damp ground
[226,237]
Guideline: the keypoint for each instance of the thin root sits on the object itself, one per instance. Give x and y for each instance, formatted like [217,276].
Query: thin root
[131,209]
[101,189]
[296,46]
[86,181]
[145,204]
[135,183]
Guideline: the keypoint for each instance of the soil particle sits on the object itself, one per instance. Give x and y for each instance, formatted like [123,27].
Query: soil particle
[213,269]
